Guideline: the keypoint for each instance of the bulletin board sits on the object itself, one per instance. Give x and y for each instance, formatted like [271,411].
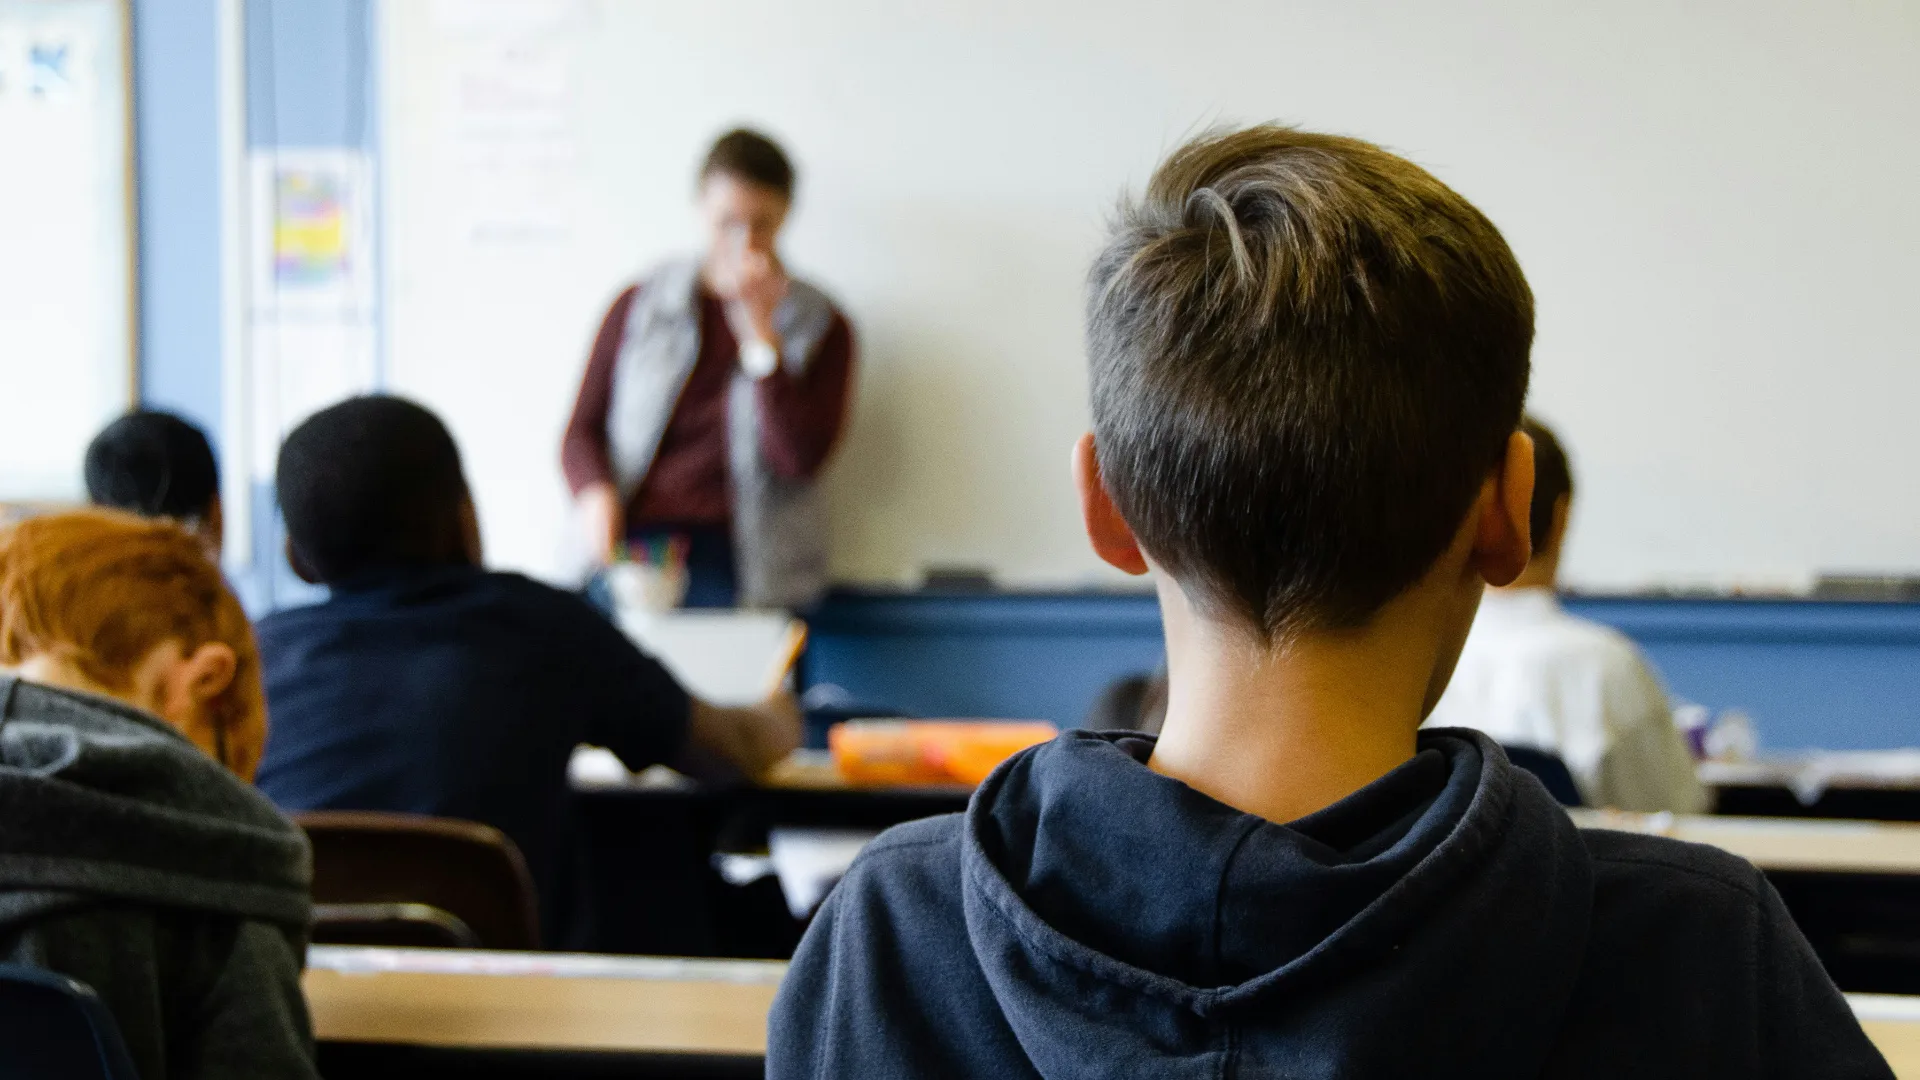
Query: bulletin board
[67,286]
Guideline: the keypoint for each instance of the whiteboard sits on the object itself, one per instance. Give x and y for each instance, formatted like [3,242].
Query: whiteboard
[66,264]
[1712,201]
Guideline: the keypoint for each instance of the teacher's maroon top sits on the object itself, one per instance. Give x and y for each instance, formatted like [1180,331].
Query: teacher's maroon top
[800,419]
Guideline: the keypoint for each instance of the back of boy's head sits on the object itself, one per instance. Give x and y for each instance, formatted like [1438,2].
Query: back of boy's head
[154,464]
[1307,355]
[102,589]
[372,483]
[1552,481]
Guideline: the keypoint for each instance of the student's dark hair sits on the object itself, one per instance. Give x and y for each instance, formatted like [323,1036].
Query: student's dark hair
[1306,356]
[750,156]
[154,464]
[1552,480]
[371,483]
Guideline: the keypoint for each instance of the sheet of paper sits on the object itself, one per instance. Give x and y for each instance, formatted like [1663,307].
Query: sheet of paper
[725,657]
[810,862]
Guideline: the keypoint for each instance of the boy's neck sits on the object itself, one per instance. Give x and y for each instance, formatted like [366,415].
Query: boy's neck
[1284,731]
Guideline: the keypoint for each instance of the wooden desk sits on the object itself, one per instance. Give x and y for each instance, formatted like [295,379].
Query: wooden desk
[813,770]
[540,1001]
[535,1001]
[1877,785]
[647,848]
[1893,1023]
[1851,886]
[1846,847]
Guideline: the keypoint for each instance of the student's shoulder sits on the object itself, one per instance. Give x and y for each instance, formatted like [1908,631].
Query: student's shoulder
[293,619]
[528,594]
[1660,867]
[1599,640]
[920,859]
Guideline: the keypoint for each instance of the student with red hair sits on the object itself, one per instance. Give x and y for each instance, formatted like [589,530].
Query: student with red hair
[134,854]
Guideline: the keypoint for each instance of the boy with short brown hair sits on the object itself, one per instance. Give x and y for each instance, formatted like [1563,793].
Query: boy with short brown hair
[1308,361]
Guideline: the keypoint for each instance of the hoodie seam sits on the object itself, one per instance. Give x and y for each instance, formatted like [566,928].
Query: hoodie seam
[881,846]
[1746,889]
[1248,828]
[1229,1053]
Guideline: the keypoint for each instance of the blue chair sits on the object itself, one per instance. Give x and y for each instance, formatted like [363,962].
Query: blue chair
[55,1028]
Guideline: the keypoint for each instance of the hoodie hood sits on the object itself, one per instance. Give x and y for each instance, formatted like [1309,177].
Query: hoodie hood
[1109,906]
[101,800]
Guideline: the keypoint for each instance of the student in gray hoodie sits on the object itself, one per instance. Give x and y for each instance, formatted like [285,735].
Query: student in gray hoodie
[134,856]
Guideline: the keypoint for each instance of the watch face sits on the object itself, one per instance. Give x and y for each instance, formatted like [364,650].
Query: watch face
[758,358]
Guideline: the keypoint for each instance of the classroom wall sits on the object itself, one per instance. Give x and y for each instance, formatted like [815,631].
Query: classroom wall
[1710,200]
[311,84]
[308,82]
[176,125]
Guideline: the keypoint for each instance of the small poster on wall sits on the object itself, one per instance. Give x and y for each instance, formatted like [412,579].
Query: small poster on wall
[313,232]
[312,339]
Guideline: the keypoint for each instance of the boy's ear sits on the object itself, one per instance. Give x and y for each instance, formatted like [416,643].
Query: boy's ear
[1502,542]
[206,672]
[471,548]
[1109,533]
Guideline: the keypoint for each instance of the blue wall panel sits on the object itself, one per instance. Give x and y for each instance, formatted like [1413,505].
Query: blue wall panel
[177,177]
[1041,657]
[1842,676]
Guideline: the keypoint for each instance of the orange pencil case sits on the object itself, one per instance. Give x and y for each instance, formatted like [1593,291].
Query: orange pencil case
[929,751]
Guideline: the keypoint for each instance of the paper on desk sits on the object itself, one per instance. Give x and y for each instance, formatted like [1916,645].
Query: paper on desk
[356,960]
[598,767]
[810,862]
[725,657]
[1809,776]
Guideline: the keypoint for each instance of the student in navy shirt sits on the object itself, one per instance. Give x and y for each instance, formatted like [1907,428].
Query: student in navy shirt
[427,684]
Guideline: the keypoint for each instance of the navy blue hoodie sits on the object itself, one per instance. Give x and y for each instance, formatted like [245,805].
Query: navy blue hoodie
[1087,917]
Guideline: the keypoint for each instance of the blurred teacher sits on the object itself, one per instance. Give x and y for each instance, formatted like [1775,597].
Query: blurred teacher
[716,389]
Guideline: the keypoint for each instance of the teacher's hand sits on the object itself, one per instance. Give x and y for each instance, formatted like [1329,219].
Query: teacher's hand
[604,518]
[759,284]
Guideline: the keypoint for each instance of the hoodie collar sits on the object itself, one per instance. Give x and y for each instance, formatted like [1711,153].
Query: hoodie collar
[100,799]
[1195,910]
[1083,869]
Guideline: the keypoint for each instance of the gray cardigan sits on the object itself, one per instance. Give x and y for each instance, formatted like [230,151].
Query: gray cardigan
[779,525]
[133,862]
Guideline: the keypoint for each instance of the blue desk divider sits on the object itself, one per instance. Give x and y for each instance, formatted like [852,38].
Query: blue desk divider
[1811,674]
[1832,675]
[1028,656]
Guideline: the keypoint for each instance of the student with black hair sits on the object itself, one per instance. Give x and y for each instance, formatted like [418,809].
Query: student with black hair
[1533,675]
[156,464]
[427,684]
[1308,358]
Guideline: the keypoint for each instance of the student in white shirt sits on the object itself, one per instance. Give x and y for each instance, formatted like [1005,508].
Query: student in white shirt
[1533,675]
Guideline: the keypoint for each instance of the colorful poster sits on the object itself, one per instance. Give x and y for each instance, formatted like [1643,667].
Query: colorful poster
[313,232]
[311,338]
[310,245]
